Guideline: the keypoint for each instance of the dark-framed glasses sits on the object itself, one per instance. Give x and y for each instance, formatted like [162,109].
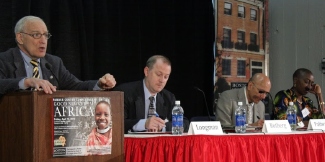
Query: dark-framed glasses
[38,35]
[260,91]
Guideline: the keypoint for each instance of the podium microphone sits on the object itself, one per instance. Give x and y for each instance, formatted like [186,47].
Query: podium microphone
[205,100]
[49,67]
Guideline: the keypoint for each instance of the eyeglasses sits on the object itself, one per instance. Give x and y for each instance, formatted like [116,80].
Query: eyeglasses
[39,35]
[260,91]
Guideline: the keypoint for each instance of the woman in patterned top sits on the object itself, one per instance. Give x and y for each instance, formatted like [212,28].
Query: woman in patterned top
[303,82]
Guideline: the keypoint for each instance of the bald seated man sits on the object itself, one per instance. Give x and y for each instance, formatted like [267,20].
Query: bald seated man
[251,95]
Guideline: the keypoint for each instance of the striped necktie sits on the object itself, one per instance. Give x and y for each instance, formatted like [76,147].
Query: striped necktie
[151,110]
[35,69]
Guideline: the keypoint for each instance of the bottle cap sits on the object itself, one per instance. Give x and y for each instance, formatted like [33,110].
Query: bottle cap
[290,103]
[240,103]
[177,102]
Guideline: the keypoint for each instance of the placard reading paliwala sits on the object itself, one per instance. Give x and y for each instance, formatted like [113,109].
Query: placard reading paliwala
[82,126]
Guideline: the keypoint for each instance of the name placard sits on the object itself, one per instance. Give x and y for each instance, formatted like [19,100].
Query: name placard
[206,127]
[276,126]
[316,124]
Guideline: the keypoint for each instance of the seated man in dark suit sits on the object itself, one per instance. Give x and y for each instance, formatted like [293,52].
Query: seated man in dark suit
[29,66]
[137,94]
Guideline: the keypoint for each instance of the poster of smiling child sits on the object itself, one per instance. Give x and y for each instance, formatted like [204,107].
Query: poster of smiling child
[82,126]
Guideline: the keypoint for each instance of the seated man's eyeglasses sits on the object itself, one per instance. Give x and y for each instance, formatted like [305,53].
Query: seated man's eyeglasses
[260,91]
[38,35]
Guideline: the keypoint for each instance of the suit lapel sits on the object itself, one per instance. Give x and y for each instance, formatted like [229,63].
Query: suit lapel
[45,73]
[139,103]
[241,95]
[19,64]
[257,112]
[160,106]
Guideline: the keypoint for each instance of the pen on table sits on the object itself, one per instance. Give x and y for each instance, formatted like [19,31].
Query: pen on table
[258,117]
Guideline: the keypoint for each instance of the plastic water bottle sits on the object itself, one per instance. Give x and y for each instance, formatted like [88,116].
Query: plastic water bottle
[177,119]
[292,116]
[240,115]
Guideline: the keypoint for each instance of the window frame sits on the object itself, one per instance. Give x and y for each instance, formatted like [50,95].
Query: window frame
[241,71]
[254,42]
[256,67]
[227,11]
[253,17]
[226,69]
[241,14]
[241,36]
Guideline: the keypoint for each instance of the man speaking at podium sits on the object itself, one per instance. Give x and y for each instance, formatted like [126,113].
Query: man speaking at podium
[29,66]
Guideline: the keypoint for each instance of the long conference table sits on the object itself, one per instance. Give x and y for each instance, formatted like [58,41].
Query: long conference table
[298,146]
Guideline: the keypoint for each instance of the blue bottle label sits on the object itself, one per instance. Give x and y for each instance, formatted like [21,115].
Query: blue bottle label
[177,120]
[174,120]
[240,120]
[292,118]
[180,120]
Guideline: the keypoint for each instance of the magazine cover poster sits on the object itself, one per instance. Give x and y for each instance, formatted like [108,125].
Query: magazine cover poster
[82,126]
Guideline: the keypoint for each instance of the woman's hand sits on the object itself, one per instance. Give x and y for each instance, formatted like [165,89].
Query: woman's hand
[315,89]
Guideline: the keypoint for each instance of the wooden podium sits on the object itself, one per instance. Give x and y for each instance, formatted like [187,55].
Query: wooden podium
[26,127]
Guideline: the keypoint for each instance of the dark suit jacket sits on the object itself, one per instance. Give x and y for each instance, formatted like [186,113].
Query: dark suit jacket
[12,70]
[134,105]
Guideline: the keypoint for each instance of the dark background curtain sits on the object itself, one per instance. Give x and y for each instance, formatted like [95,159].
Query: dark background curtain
[94,37]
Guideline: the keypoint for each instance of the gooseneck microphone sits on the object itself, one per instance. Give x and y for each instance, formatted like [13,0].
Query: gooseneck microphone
[205,100]
[49,67]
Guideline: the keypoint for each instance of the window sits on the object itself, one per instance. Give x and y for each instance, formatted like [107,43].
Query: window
[226,40]
[227,8]
[253,43]
[253,38]
[241,11]
[241,37]
[253,14]
[240,44]
[256,67]
[241,67]
[227,35]
[226,66]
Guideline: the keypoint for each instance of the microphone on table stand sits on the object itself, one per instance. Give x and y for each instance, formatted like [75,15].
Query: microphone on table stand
[205,100]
